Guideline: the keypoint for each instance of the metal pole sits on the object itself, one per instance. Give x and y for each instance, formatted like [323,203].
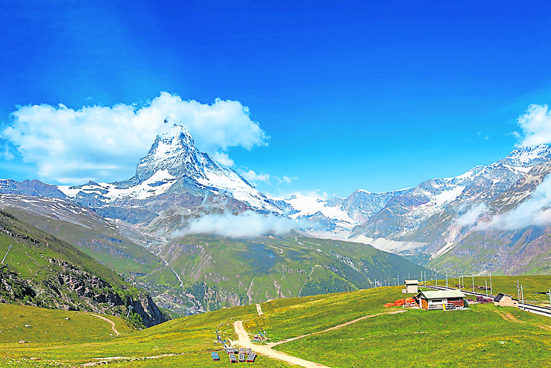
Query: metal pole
[436,278]
[549,298]
[518,292]
[522,292]
[491,287]
[446,281]
[486,286]
[473,283]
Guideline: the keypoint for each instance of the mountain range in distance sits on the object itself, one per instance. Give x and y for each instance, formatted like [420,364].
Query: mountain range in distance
[181,212]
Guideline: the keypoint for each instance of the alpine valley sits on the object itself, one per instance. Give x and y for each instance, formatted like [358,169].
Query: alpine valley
[165,230]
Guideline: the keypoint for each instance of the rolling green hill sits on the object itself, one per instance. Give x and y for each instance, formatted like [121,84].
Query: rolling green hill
[484,335]
[43,271]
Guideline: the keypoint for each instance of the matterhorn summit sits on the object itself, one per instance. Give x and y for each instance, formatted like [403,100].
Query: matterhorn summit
[174,167]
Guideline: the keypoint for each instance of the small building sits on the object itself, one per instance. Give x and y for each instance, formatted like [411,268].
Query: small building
[483,299]
[411,287]
[441,299]
[504,300]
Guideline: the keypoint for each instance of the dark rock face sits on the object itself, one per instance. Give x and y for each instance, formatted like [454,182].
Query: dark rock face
[96,293]
[146,307]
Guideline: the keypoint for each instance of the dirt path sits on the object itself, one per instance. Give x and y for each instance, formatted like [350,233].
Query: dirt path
[259,309]
[245,342]
[108,320]
[508,317]
[335,327]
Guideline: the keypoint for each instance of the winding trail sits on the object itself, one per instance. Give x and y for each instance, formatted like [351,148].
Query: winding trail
[245,341]
[259,309]
[108,320]
[335,327]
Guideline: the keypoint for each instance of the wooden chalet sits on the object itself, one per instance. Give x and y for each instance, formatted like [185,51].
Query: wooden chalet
[441,299]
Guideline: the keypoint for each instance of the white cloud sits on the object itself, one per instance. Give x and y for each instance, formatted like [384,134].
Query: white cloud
[247,224]
[535,211]
[7,155]
[535,125]
[472,215]
[105,143]
[285,179]
[253,177]
[223,158]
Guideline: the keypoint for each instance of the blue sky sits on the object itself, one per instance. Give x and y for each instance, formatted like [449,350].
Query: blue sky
[371,95]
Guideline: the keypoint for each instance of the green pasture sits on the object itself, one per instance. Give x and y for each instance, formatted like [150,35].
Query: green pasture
[85,338]
[483,336]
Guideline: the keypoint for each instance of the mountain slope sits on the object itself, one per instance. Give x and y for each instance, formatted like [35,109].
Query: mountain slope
[44,271]
[173,172]
[226,272]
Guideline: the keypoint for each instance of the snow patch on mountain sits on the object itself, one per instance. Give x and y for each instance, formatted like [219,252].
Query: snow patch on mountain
[310,205]
[173,157]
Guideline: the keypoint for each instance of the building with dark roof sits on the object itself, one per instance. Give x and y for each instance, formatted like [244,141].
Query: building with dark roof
[504,300]
[441,299]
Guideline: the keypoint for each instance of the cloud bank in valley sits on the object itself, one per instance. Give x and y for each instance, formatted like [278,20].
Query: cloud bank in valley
[105,143]
[245,225]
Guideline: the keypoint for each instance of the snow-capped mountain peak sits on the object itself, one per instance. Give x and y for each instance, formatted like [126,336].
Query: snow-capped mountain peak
[174,165]
[173,151]
[528,156]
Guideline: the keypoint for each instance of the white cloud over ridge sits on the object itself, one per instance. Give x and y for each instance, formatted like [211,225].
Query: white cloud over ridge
[535,125]
[105,143]
[253,177]
[536,211]
[245,225]
[471,216]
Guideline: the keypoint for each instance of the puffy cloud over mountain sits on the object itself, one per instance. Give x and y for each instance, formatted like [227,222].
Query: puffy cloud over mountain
[104,143]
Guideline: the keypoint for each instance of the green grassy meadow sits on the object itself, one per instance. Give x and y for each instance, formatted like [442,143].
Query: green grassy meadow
[483,336]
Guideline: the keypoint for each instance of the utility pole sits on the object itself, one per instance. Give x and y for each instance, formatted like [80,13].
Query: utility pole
[486,286]
[491,287]
[522,292]
[518,292]
[446,281]
[473,282]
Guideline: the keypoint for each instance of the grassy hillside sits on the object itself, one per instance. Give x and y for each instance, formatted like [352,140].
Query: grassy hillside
[44,271]
[483,336]
[103,240]
[182,342]
[224,272]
